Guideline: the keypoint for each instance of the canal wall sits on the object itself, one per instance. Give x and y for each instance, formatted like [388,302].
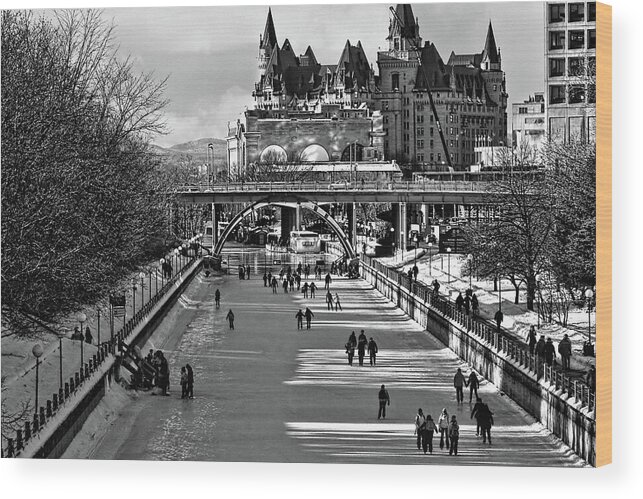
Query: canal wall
[59,428]
[564,406]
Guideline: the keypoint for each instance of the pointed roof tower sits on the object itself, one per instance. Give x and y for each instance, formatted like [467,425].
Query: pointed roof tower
[405,13]
[490,49]
[269,38]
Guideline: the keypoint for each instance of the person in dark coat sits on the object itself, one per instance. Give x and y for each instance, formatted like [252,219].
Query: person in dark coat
[309,317]
[188,368]
[485,421]
[312,289]
[454,436]
[328,280]
[415,272]
[475,413]
[565,351]
[475,306]
[274,285]
[329,300]
[350,347]
[459,301]
[531,339]
[420,431]
[300,319]
[431,428]
[540,348]
[473,383]
[88,336]
[265,280]
[458,383]
[384,400]
[217,298]
[372,350]
[467,302]
[498,317]
[436,286]
[230,318]
[550,352]
[77,335]
[362,342]
[304,289]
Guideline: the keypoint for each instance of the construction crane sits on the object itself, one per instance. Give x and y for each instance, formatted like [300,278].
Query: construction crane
[428,89]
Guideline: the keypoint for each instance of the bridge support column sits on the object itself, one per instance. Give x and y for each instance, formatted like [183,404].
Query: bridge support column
[403,226]
[215,227]
[288,221]
[351,212]
[399,226]
[298,217]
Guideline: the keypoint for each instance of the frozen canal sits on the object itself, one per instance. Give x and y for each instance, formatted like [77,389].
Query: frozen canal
[267,392]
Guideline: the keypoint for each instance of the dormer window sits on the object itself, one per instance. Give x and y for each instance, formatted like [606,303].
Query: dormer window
[396,43]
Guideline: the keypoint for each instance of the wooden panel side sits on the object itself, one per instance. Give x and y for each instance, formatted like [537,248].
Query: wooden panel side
[603,234]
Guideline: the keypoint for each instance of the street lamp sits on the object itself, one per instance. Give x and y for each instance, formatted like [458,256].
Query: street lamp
[141,276]
[589,294]
[449,264]
[81,318]
[98,327]
[415,250]
[430,257]
[499,266]
[60,357]
[162,262]
[149,273]
[470,260]
[393,238]
[133,296]
[37,352]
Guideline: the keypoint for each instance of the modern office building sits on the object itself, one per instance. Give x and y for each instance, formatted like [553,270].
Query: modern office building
[570,69]
[528,122]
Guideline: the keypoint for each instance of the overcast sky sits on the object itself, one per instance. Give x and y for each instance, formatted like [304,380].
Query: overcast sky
[210,53]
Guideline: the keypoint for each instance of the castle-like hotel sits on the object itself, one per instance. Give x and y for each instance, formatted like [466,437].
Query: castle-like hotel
[306,111]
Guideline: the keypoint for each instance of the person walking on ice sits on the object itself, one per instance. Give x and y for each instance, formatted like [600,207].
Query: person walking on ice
[217,298]
[372,350]
[443,425]
[309,317]
[420,430]
[454,436]
[230,318]
[312,288]
[337,304]
[328,280]
[458,383]
[384,400]
[473,383]
[300,319]
[329,300]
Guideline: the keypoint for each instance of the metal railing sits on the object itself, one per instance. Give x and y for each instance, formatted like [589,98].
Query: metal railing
[497,339]
[58,401]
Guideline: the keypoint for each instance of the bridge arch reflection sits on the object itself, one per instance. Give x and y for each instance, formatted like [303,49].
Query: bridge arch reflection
[314,207]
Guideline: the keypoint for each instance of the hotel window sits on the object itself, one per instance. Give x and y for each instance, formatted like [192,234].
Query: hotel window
[576,39]
[556,67]
[396,43]
[420,118]
[439,156]
[420,131]
[556,94]
[576,12]
[431,157]
[576,94]
[591,12]
[431,144]
[591,38]
[420,158]
[431,131]
[575,66]
[395,81]
[556,40]
[556,12]
[385,105]
[420,144]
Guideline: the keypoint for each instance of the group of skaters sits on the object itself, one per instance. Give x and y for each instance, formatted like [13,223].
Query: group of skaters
[161,370]
[244,272]
[289,279]
[468,303]
[362,345]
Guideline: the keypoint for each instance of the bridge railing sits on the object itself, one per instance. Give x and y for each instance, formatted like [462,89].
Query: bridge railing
[12,446]
[497,338]
[378,186]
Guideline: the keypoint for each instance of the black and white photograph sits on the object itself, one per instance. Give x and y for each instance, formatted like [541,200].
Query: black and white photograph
[316,233]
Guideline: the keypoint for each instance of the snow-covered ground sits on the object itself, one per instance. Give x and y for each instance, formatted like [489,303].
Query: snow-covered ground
[517,319]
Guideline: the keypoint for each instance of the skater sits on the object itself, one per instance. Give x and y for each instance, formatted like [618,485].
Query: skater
[550,353]
[350,347]
[372,350]
[248,272]
[531,339]
[190,372]
[304,289]
[309,317]
[184,383]
[485,421]
[230,318]
[328,280]
[384,400]
[362,342]
[274,285]
[420,430]
[565,351]
[337,304]
[430,430]
[454,435]
[312,289]
[300,319]
[475,306]
[265,280]
[329,300]
[498,317]
[307,271]
[473,383]
[459,301]
[217,298]
[475,413]
[285,285]
[458,383]
[443,425]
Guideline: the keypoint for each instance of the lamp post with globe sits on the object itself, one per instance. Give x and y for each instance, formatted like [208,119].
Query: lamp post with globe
[37,352]
[141,276]
[589,349]
[449,264]
[81,318]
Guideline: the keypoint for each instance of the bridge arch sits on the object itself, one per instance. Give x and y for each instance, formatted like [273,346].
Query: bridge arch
[314,207]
